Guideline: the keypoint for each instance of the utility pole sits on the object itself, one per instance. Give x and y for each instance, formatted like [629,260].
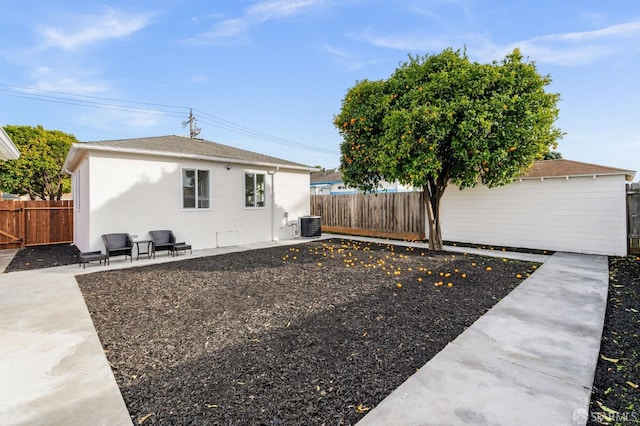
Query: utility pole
[193,129]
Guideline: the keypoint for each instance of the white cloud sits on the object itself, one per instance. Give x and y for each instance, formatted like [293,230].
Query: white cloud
[629,29]
[71,85]
[348,61]
[94,28]
[222,32]
[406,42]
[115,121]
[235,30]
[338,53]
[268,10]
[579,48]
[198,78]
[48,79]
[565,49]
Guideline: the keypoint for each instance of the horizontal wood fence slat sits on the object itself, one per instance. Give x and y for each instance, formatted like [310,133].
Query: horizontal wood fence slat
[397,215]
[30,223]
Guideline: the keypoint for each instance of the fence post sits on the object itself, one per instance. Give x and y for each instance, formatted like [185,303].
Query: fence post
[22,219]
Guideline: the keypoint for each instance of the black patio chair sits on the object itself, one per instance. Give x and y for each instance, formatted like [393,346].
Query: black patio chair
[162,240]
[118,244]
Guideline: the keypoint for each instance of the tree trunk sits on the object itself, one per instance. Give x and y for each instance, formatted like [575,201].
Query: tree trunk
[433,192]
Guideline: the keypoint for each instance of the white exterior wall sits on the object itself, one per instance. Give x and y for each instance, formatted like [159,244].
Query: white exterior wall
[81,206]
[290,197]
[136,194]
[579,214]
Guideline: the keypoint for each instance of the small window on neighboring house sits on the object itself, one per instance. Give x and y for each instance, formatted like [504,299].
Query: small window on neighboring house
[195,189]
[254,190]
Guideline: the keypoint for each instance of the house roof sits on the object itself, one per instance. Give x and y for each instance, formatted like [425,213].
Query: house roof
[326,176]
[8,151]
[180,146]
[539,170]
[566,168]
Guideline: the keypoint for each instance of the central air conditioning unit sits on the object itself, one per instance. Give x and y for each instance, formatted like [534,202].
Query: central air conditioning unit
[310,226]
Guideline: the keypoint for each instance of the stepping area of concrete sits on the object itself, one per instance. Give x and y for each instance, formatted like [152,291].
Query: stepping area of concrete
[529,360]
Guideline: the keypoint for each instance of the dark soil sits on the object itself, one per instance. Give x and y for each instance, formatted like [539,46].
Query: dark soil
[317,333]
[615,397]
[46,256]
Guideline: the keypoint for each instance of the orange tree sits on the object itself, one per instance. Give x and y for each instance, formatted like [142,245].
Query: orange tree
[443,118]
[38,172]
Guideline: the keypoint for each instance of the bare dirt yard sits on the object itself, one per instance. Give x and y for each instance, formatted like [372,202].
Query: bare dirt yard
[615,397]
[317,333]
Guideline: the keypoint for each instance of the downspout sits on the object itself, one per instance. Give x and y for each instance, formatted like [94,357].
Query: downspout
[273,200]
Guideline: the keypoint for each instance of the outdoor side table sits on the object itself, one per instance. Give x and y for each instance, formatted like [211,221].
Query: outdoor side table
[89,256]
[149,248]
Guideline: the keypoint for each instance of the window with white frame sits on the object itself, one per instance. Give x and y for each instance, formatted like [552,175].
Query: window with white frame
[254,189]
[195,189]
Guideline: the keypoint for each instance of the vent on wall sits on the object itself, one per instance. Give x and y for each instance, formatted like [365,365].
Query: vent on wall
[227,238]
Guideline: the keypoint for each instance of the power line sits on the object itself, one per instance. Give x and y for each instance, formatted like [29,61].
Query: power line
[149,108]
[33,89]
[237,128]
[69,101]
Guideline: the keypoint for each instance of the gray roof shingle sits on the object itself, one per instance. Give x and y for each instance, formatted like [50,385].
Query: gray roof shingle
[540,169]
[562,167]
[174,144]
[326,176]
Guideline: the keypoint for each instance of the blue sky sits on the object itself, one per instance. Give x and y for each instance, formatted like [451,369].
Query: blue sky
[269,76]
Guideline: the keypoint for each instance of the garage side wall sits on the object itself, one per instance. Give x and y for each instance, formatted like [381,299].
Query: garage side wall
[579,214]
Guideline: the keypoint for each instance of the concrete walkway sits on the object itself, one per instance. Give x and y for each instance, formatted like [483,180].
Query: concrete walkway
[530,360]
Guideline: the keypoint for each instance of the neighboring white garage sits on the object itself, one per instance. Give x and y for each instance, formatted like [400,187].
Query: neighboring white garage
[559,205]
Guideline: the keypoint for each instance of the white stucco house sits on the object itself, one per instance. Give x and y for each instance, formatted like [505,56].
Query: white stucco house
[8,151]
[209,194]
[560,205]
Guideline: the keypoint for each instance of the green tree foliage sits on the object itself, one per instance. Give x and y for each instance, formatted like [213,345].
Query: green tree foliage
[443,118]
[38,172]
[552,155]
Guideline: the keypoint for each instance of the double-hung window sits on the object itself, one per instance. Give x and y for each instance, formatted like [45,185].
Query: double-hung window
[195,189]
[254,189]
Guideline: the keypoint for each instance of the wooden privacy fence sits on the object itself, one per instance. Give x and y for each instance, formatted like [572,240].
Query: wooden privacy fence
[389,215]
[30,223]
[633,217]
